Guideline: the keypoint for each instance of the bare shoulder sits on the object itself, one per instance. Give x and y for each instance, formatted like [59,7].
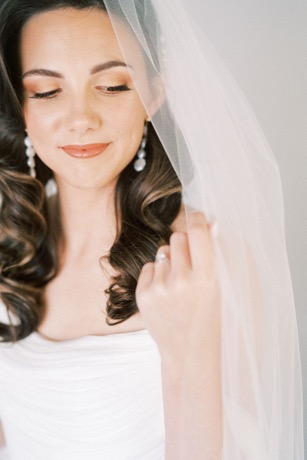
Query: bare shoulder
[180,223]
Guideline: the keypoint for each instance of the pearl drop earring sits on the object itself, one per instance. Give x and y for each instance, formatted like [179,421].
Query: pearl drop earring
[140,162]
[30,153]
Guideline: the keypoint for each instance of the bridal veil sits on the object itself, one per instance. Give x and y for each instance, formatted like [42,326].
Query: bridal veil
[228,171]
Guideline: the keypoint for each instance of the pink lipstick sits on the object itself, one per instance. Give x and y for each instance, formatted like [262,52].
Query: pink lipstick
[84,151]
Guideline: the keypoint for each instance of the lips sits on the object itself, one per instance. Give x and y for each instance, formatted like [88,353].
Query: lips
[84,151]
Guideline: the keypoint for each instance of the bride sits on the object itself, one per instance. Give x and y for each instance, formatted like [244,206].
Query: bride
[132,327]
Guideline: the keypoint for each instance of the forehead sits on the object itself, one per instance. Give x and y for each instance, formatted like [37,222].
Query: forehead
[66,33]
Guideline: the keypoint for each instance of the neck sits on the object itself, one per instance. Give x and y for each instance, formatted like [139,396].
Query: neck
[87,219]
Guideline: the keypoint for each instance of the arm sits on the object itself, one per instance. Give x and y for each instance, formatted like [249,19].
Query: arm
[192,403]
[179,300]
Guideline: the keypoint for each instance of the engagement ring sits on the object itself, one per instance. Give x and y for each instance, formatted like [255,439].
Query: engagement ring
[161,257]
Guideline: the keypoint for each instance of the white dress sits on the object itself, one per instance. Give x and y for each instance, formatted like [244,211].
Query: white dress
[91,398]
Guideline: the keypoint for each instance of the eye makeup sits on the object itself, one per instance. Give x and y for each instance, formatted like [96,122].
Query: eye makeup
[106,89]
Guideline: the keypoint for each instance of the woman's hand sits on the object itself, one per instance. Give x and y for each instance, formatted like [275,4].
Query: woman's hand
[178,295]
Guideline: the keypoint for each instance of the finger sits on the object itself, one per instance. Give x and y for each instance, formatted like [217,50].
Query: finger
[162,264]
[180,252]
[214,229]
[146,276]
[200,244]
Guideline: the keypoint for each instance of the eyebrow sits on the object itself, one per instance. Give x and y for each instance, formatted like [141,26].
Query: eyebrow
[95,69]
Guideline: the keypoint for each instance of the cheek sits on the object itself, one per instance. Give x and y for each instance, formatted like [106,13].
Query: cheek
[129,132]
[126,126]
[41,130]
[40,124]
[121,122]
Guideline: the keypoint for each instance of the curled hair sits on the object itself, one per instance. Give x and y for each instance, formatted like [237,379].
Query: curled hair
[146,203]
[27,251]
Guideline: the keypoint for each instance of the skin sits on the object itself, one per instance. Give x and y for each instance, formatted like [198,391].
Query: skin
[82,111]
[170,295]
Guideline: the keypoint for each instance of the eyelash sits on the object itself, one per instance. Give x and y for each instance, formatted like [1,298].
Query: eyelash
[115,89]
[47,95]
[51,94]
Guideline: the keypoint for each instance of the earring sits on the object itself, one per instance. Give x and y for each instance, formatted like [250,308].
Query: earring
[140,162]
[30,155]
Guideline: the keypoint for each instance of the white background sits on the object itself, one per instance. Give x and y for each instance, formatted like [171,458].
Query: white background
[264,44]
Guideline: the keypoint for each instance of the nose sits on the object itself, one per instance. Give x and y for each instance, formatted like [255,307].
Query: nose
[82,115]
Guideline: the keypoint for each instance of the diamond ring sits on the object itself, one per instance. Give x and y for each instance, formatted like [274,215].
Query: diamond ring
[161,257]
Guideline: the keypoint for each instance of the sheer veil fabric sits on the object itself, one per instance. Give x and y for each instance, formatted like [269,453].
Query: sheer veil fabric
[229,172]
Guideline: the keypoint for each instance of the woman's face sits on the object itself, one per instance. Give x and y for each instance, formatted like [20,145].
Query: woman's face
[78,92]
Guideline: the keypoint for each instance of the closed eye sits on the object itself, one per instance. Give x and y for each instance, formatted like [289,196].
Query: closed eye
[106,89]
[47,95]
[114,89]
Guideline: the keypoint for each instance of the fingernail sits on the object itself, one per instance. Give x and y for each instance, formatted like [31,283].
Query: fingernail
[214,229]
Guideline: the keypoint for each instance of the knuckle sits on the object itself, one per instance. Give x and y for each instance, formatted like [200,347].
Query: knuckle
[198,229]
[163,248]
[198,217]
[153,296]
[178,237]
[180,283]
[160,289]
[146,267]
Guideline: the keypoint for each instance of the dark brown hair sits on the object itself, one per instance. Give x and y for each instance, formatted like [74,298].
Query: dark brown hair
[146,203]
